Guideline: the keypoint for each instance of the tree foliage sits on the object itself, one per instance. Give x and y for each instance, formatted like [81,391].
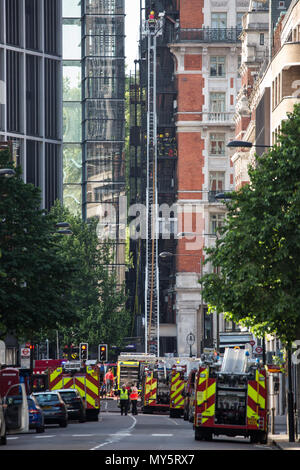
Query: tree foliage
[258,252]
[50,282]
[101,316]
[35,279]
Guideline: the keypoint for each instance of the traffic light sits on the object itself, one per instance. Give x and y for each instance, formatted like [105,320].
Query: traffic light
[66,351]
[83,351]
[103,352]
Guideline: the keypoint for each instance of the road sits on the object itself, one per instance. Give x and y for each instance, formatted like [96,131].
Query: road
[113,433]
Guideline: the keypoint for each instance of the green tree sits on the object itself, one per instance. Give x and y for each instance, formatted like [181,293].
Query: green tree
[101,316]
[35,287]
[258,251]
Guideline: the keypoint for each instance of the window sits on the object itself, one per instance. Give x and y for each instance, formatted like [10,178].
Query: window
[51,99]
[32,163]
[261,39]
[216,184]
[216,221]
[217,66]
[53,172]
[13,24]
[217,102]
[51,15]
[239,17]
[13,91]
[32,23]
[219,20]
[32,94]
[216,180]
[217,144]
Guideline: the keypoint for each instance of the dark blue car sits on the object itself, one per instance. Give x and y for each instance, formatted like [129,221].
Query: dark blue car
[36,415]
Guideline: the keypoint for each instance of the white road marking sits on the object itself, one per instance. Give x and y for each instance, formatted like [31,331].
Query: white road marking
[118,436]
[45,437]
[173,421]
[162,435]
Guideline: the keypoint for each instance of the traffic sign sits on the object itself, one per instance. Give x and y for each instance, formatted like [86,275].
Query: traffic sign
[258,350]
[25,358]
[25,352]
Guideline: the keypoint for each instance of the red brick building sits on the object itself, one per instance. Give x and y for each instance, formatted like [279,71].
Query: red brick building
[206,51]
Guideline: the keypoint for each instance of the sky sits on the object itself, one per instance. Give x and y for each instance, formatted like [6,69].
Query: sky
[132,24]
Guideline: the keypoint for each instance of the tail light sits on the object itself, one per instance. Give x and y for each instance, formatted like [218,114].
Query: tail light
[261,423]
[198,419]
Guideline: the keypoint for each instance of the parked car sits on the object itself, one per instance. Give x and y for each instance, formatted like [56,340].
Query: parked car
[74,403]
[54,408]
[2,424]
[36,415]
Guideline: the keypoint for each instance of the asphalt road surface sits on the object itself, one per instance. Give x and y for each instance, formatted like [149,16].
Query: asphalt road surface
[114,433]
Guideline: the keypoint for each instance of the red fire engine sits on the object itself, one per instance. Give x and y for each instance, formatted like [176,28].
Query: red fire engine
[231,397]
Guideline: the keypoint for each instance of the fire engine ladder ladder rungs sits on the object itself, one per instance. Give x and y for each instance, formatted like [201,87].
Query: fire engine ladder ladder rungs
[152,278]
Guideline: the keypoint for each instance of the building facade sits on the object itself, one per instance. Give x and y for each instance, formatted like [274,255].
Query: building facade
[94,118]
[30,90]
[197,79]
[207,50]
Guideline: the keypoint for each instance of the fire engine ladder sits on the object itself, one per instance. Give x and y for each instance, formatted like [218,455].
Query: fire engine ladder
[151,271]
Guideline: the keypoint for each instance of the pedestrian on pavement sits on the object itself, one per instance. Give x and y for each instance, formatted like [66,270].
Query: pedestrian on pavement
[134,394]
[124,400]
[103,391]
[109,381]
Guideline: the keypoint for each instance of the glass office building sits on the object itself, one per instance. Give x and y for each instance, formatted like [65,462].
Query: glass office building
[72,105]
[30,90]
[94,115]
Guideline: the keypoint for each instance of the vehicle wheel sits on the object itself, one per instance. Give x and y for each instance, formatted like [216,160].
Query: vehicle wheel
[63,424]
[254,438]
[3,440]
[198,434]
[82,418]
[263,438]
[40,430]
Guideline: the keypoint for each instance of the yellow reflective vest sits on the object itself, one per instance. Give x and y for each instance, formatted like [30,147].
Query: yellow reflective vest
[123,394]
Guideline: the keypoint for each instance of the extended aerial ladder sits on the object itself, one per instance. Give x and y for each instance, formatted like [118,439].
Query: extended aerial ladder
[152,28]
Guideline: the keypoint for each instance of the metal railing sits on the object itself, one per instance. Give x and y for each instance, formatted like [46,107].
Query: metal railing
[208,34]
[218,116]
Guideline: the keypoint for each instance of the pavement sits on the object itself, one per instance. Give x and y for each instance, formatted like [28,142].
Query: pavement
[280,438]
